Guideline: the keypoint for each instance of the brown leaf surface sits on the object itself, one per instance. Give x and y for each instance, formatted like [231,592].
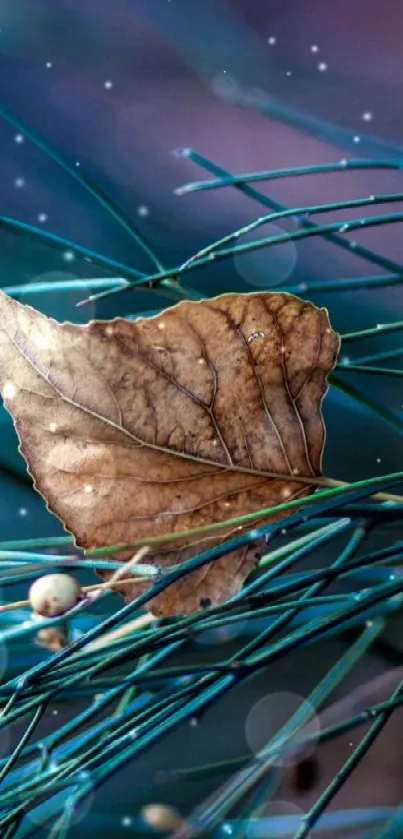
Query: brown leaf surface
[137,429]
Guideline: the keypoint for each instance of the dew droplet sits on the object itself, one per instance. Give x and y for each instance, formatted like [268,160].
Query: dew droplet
[254,336]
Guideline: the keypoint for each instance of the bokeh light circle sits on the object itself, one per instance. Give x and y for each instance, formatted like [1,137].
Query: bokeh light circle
[266,267]
[267,718]
[275,819]
[57,304]
[49,812]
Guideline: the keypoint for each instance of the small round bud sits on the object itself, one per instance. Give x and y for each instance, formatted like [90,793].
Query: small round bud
[161,817]
[54,594]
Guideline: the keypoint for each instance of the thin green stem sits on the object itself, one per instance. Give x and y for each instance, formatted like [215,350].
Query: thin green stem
[249,518]
[375,371]
[371,405]
[380,356]
[340,778]
[349,284]
[270,241]
[293,172]
[379,329]
[359,250]
[309,210]
[75,172]
[29,231]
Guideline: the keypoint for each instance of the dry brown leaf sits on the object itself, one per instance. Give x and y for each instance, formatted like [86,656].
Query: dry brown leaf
[137,429]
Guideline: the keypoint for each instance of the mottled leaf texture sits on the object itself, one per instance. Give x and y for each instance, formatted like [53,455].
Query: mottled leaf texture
[164,424]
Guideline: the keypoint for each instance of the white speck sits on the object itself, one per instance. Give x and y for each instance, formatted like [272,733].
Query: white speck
[343,162]
[357,139]
[272,40]
[55,712]
[19,183]
[41,341]
[353,245]
[343,228]
[226,829]
[314,48]
[193,722]
[322,66]
[345,360]
[392,577]
[371,197]
[288,73]
[77,163]
[133,733]
[49,65]
[108,84]
[42,218]
[23,512]
[88,488]
[295,471]
[53,427]
[9,390]
[283,531]
[161,325]
[19,138]
[126,821]
[286,492]
[367,116]
[379,460]
[69,256]
[143,211]
[201,361]
[109,331]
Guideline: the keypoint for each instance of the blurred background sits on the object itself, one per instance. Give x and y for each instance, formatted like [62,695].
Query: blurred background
[116,88]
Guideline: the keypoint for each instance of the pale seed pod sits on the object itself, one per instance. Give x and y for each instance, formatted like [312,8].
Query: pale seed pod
[161,817]
[54,594]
